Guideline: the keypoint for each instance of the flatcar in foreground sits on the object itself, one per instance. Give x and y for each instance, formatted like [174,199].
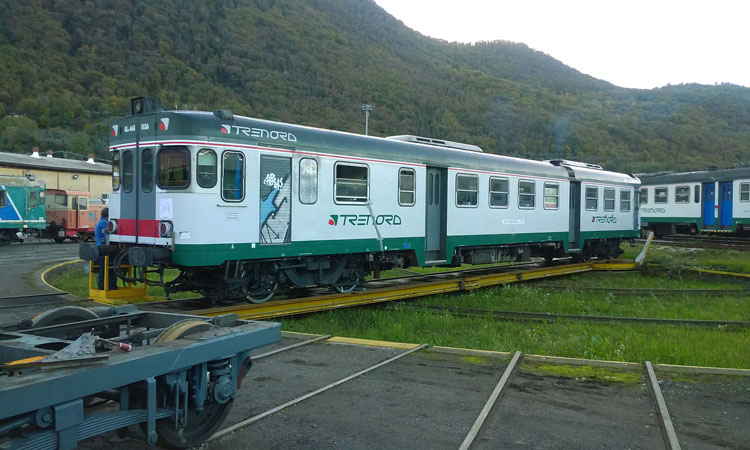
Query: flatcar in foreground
[21,207]
[692,202]
[246,207]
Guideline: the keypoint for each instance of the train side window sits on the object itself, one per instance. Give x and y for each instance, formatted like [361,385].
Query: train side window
[624,200]
[74,203]
[2,199]
[437,191]
[406,187]
[661,195]
[351,183]
[127,171]
[308,181]
[609,199]
[32,199]
[115,171]
[526,194]
[147,170]
[697,192]
[592,198]
[498,192]
[682,194]
[644,196]
[206,168]
[233,176]
[467,190]
[551,196]
[173,168]
[83,203]
[61,199]
[745,192]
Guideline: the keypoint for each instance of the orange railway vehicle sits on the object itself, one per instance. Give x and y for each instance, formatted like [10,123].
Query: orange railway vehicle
[71,215]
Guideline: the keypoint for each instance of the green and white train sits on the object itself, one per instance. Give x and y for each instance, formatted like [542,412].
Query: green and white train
[246,207]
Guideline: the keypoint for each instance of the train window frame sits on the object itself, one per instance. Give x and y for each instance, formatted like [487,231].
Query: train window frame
[116,171]
[177,150]
[401,190]
[697,193]
[241,189]
[147,182]
[605,199]
[206,182]
[522,195]
[664,198]
[556,196]
[462,191]
[592,200]
[643,196]
[83,201]
[499,192]
[3,200]
[338,181]
[307,182]
[32,198]
[625,201]
[745,193]
[127,163]
[682,194]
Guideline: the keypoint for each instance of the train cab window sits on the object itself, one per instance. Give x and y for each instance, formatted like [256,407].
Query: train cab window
[127,171]
[526,194]
[697,193]
[61,199]
[406,187]
[351,183]
[147,170]
[592,198]
[115,171]
[32,199]
[682,194]
[643,196]
[173,168]
[467,190]
[233,177]
[551,196]
[661,195]
[308,181]
[2,199]
[83,203]
[498,192]
[74,203]
[609,199]
[206,168]
[745,192]
[624,200]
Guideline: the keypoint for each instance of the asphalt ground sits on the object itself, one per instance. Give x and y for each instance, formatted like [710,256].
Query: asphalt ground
[429,399]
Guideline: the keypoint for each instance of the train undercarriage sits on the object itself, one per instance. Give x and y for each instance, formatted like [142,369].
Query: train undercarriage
[257,281]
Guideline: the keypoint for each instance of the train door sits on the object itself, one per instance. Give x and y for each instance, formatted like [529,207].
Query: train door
[709,200]
[725,205]
[436,215]
[574,236]
[137,168]
[275,199]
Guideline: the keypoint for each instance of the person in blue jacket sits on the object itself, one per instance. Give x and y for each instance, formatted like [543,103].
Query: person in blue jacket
[99,230]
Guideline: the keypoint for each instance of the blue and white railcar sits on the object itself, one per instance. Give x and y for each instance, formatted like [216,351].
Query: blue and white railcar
[245,206]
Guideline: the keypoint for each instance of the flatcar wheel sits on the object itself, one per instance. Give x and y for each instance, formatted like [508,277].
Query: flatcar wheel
[200,426]
[58,316]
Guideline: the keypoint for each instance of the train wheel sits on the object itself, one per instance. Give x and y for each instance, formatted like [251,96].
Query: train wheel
[81,238]
[200,425]
[59,240]
[58,316]
[262,295]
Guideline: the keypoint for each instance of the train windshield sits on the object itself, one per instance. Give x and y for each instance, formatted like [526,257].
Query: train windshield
[174,168]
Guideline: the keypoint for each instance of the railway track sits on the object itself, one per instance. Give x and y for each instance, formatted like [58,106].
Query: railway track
[701,241]
[34,300]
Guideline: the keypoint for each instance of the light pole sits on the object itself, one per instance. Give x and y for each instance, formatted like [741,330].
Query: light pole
[367,109]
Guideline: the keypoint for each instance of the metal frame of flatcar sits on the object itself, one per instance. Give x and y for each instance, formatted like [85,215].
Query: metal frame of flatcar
[52,400]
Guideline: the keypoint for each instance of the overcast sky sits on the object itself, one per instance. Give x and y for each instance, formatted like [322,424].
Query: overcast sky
[634,43]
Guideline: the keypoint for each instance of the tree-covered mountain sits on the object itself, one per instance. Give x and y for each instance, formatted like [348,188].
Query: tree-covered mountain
[68,66]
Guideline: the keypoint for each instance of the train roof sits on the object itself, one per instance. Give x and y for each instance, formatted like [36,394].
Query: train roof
[19,181]
[53,164]
[223,127]
[698,176]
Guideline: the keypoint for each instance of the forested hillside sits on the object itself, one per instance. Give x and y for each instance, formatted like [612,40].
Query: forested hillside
[68,66]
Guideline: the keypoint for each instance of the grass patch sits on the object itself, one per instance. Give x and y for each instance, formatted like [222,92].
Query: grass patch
[585,372]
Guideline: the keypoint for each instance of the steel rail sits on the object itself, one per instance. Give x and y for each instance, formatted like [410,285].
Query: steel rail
[522,315]
[671,435]
[341,381]
[371,296]
[19,301]
[635,291]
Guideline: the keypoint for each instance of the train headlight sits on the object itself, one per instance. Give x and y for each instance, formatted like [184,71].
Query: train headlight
[165,228]
[112,226]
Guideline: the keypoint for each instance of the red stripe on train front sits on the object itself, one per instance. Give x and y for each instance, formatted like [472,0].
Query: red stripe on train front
[146,228]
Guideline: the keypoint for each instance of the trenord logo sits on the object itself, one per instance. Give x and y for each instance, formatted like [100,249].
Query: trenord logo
[360,220]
